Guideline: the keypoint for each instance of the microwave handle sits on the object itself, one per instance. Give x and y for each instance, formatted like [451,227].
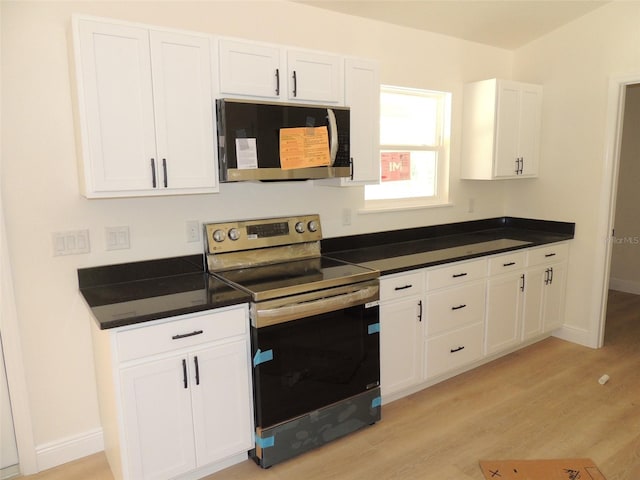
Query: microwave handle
[333,132]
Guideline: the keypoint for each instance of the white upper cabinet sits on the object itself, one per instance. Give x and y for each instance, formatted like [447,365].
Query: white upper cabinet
[145,102]
[362,96]
[261,70]
[501,130]
[250,69]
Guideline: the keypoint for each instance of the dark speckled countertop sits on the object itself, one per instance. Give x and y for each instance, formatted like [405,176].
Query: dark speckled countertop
[401,250]
[132,293]
[137,292]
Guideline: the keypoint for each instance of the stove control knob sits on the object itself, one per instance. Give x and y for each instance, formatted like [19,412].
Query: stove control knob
[313,226]
[300,227]
[234,234]
[219,236]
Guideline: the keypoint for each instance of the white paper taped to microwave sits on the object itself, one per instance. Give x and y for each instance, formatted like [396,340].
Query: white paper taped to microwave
[246,153]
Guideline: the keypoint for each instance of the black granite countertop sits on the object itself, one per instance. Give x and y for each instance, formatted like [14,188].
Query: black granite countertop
[401,250]
[131,293]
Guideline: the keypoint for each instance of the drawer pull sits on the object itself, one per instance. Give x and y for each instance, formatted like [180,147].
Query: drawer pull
[195,362]
[185,335]
[454,350]
[550,255]
[403,287]
[458,275]
[508,264]
[458,307]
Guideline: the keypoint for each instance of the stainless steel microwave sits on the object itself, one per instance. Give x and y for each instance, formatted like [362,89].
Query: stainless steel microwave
[250,141]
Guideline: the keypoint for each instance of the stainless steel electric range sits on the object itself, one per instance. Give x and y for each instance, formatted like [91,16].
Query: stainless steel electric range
[314,332]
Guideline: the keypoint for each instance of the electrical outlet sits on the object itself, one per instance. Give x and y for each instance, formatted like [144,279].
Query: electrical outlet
[472,205]
[346,216]
[193,231]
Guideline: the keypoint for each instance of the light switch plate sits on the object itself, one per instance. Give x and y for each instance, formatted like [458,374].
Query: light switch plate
[117,238]
[72,242]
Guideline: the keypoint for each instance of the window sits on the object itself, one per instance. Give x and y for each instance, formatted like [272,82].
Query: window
[414,149]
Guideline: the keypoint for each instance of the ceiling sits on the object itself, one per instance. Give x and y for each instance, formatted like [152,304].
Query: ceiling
[507,24]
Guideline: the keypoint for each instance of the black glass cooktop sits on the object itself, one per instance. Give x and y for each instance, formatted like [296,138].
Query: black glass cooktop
[299,276]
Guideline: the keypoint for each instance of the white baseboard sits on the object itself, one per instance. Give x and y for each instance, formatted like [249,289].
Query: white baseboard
[628,286]
[577,335]
[56,453]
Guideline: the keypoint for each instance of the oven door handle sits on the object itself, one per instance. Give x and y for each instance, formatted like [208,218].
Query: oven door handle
[264,317]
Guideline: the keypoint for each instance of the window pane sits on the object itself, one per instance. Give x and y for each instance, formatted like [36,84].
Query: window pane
[408,119]
[405,174]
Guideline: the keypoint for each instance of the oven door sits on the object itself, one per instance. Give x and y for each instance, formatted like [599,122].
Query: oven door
[316,353]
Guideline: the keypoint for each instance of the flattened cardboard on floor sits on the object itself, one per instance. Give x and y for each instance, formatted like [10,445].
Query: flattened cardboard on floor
[557,469]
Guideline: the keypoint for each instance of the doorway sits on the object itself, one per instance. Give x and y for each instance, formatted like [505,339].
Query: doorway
[619,87]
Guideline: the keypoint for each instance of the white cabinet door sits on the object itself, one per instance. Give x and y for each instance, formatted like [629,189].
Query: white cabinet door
[315,77]
[253,69]
[116,103]
[554,294]
[183,101]
[503,318]
[362,95]
[158,421]
[533,303]
[221,393]
[507,128]
[400,344]
[529,133]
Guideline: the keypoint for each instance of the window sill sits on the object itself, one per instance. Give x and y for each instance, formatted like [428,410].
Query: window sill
[400,207]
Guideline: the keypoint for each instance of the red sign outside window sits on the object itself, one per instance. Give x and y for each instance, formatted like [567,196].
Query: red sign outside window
[395,166]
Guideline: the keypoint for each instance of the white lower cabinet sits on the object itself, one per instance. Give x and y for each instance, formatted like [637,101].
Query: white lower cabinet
[466,313]
[455,316]
[401,325]
[184,404]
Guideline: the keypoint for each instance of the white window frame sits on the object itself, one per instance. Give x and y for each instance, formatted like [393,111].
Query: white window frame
[442,148]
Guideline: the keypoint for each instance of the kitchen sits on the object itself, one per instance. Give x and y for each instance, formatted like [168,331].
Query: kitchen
[40,180]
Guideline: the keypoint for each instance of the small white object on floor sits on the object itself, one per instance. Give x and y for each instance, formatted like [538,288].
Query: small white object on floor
[603,379]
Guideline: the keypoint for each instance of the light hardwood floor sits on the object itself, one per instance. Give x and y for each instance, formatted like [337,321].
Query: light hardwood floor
[543,401]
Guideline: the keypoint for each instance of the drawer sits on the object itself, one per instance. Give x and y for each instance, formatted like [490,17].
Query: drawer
[402,285]
[507,262]
[456,273]
[553,253]
[453,308]
[453,350]
[173,335]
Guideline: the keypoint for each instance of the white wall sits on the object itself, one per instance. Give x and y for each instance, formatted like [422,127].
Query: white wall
[625,255]
[575,64]
[40,184]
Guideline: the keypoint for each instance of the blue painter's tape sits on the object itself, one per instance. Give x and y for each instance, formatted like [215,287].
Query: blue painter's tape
[261,357]
[376,402]
[374,328]
[265,442]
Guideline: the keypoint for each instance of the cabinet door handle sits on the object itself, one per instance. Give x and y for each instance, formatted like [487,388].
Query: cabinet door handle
[351,168]
[195,362]
[517,165]
[153,173]
[164,171]
[458,307]
[404,287]
[184,373]
[550,255]
[508,264]
[546,276]
[185,335]
[419,310]
[551,275]
[522,284]
[458,275]
[454,350]
[277,82]
[295,84]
